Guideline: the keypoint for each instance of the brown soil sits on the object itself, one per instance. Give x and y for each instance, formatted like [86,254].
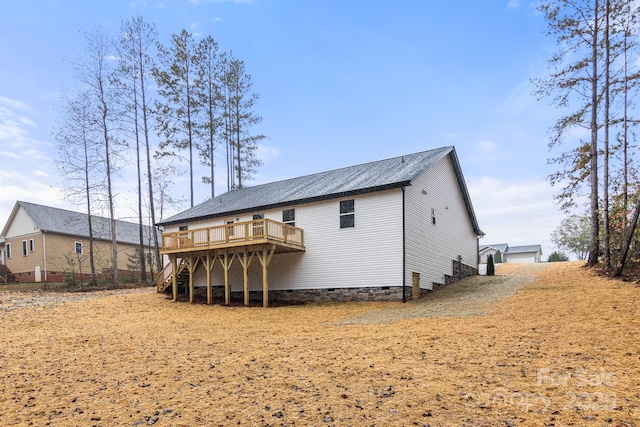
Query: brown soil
[563,350]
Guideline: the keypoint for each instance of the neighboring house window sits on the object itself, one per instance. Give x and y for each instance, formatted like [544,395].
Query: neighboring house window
[8,250]
[31,245]
[347,215]
[183,228]
[433,216]
[289,216]
[78,247]
[24,248]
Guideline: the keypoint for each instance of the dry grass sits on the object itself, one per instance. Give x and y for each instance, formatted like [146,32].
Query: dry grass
[564,350]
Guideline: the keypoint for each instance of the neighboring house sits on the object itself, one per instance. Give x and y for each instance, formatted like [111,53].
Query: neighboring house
[487,250]
[42,242]
[512,254]
[381,230]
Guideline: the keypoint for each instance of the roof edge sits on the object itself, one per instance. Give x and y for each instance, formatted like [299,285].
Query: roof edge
[292,202]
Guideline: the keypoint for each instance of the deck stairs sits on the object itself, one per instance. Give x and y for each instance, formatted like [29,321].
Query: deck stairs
[5,275]
[164,280]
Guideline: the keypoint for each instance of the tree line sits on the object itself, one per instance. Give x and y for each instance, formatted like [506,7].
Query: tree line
[594,79]
[139,102]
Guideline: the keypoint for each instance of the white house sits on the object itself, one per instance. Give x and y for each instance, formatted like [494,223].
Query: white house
[381,230]
[512,254]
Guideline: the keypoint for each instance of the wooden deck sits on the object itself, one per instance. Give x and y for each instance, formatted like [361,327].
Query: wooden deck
[286,238]
[207,247]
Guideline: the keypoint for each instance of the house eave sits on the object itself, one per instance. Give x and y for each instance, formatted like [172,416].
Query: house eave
[289,203]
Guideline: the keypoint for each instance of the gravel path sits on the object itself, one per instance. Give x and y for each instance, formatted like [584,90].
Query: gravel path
[12,300]
[473,296]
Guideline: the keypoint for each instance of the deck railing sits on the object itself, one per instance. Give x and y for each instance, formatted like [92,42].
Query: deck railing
[235,234]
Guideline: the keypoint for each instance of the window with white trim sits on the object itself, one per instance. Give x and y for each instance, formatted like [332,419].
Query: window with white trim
[289,216]
[347,213]
[78,248]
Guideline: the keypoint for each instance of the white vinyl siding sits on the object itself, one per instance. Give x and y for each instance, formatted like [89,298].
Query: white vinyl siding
[432,248]
[369,254]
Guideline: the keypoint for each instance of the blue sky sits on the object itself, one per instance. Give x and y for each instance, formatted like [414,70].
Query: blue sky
[340,83]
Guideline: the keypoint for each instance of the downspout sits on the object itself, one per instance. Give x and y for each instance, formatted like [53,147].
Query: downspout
[404,250]
[44,254]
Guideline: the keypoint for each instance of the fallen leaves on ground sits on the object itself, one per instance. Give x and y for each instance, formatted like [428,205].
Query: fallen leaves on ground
[564,350]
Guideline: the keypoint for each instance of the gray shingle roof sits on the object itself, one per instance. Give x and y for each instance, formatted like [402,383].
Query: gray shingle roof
[364,178]
[54,220]
[524,249]
[502,247]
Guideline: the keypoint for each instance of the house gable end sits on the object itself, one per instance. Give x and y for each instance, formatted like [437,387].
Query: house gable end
[19,224]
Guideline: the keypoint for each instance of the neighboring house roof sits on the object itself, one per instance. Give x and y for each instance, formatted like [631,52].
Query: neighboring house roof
[502,247]
[54,220]
[524,249]
[370,177]
[506,249]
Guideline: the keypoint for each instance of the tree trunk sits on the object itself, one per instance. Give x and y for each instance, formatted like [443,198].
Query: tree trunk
[627,241]
[605,159]
[594,242]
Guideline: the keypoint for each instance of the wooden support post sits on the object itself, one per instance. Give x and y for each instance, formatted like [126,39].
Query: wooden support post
[189,264]
[265,258]
[245,260]
[415,285]
[226,262]
[209,263]
[174,278]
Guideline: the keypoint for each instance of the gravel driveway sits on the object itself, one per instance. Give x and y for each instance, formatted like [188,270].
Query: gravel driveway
[11,300]
[473,296]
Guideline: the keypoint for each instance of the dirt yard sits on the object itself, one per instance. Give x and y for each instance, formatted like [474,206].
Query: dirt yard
[548,345]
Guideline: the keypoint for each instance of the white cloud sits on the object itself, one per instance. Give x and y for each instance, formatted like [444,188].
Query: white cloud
[486,145]
[20,151]
[13,104]
[516,212]
[513,4]
[267,153]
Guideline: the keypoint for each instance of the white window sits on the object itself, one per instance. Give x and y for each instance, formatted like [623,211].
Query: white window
[347,215]
[8,250]
[289,216]
[78,247]
[229,223]
[24,248]
[31,245]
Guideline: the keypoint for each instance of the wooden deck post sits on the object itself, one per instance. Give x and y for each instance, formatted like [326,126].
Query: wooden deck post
[245,260]
[192,264]
[209,266]
[174,278]
[226,262]
[265,258]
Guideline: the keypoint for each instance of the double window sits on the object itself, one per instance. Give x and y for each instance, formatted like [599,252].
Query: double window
[347,214]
